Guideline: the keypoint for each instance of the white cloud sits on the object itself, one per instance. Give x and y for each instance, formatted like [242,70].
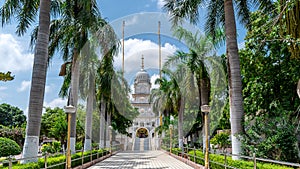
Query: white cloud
[24,86]
[160,3]
[13,56]
[26,112]
[153,78]
[58,102]
[47,89]
[2,88]
[135,48]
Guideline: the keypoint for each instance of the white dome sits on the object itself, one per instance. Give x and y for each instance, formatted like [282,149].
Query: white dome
[142,76]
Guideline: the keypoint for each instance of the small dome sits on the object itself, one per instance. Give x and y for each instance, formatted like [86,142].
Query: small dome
[142,76]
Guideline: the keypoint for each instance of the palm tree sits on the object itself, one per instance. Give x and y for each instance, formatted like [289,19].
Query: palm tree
[162,99]
[26,12]
[172,96]
[201,48]
[87,88]
[112,98]
[70,34]
[221,12]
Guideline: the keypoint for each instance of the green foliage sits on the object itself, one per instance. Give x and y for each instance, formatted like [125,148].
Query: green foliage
[52,147]
[8,147]
[11,116]
[16,133]
[54,124]
[176,151]
[6,76]
[214,159]
[270,79]
[60,160]
[81,114]
[221,140]
[78,146]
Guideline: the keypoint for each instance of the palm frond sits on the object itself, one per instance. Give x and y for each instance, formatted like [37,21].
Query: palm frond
[243,11]
[9,10]
[183,9]
[27,16]
[215,18]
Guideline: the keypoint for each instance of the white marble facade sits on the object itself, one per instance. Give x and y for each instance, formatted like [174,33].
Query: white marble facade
[144,125]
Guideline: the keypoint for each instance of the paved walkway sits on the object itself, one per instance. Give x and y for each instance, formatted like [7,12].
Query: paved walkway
[141,160]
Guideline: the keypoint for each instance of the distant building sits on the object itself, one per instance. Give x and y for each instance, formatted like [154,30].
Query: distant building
[143,128]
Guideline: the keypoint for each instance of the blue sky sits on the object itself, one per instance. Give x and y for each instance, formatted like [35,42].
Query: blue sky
[141,17]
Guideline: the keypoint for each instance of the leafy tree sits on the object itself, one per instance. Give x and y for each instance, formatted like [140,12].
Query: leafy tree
[289,19]
[221,140]
[270,77]
[11,116]
[54,124]
[52,147]
[6,76]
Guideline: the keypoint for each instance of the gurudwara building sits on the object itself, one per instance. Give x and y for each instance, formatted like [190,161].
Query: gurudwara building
[143,136]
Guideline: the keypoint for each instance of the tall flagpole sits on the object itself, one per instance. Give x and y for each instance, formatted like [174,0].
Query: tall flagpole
[159,60]
[123,55]
[123,70]
[159,49]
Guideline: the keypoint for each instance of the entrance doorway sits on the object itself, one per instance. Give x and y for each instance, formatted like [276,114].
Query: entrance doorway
[142,133]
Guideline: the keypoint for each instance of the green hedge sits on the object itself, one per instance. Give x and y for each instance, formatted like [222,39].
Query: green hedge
[76,160]
[233,163]
[8,147]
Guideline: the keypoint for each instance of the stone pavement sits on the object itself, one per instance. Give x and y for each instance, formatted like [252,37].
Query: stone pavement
[141,160]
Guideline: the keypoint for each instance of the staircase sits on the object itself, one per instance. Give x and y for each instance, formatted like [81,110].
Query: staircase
[141,144]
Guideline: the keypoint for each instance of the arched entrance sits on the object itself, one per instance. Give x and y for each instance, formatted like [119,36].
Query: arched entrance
[142,133]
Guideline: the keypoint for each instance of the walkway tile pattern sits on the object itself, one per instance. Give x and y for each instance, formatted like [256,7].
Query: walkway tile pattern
[141,160]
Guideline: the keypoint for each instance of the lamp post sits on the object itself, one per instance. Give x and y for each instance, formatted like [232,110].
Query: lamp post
[69,110]
[206,109]
[171,130]
[110,138]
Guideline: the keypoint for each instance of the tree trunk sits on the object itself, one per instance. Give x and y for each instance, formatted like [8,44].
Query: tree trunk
[204,88]
[102,125]
[108,129]
[89,114]
[235,82]
[180,122]
[74,90]
[38,81]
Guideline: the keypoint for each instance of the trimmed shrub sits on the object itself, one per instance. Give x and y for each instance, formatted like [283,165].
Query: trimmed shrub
[78,146]
[8,147]
[215,159]
[53,147]
[55,160]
